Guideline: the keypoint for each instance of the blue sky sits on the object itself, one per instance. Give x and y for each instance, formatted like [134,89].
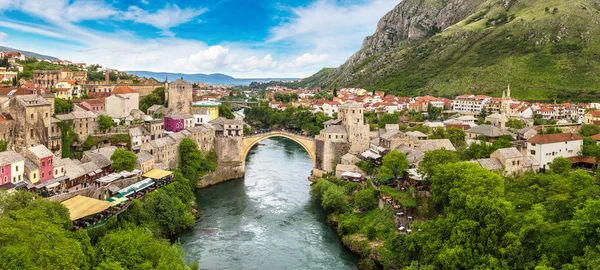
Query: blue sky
[243,38]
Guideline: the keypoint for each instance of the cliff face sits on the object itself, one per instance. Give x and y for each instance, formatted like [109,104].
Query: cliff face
[546,50]
[410,20]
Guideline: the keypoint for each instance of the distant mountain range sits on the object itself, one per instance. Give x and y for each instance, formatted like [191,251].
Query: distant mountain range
[215,79]
[29,54]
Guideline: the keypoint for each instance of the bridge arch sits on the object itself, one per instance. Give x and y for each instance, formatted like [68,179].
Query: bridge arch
[308,143]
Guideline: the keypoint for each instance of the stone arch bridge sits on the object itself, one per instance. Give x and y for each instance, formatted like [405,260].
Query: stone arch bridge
[308,143]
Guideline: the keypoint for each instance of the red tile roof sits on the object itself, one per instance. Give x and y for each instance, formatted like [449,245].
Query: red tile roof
[595,113]
[123,90]
[554,138]
[596,137]
[588,160]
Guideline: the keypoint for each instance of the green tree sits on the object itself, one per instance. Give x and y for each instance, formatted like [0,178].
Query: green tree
[168,212]
[105,122]
[456,136]
[388,119]
[367,199]
[560,165]
[3,145]
[318,188]
[225,111]
[123,160]
[193,164]
[589,130]
[35,235]
[138,249]
[394,164]
[62,106]
[334,199]
[433,113]
[431,159]
[514,123]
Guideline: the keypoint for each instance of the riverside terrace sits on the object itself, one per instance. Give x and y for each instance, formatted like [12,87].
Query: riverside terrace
[89,213]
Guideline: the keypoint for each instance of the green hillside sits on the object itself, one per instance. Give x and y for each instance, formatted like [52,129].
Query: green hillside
[545,50]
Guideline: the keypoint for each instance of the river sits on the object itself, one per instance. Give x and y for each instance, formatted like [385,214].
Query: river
[266,220]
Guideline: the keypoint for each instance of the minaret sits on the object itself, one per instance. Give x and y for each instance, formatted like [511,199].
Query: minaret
[503,111]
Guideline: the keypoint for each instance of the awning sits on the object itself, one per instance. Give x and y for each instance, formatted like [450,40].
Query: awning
[53,185]
[80,206]
[55,180]
[371,155]
[352,175]
[91,174]
[98,171]
[143,184]
[157,174]
[117,200]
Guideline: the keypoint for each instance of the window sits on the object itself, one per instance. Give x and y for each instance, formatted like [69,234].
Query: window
[532,152]
[32,116]
[42,175]
[34,175]
[43,163]
[2,169]
[514,163]
[17,168]
[5,180]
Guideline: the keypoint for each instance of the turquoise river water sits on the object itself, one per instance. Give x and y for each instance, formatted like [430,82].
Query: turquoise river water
[266,220]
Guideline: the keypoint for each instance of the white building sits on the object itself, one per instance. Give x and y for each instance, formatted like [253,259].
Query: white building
[470,103]
[121,102]
[546,147]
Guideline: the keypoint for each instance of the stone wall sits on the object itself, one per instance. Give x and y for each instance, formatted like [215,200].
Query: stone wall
[225,172]
[229,149]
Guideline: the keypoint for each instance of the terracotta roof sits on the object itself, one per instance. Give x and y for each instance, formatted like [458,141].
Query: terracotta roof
[69,81]
[594,113]
[123,90]
[94,101]
[588,160]
[62,89]
[596,137]
[554,138]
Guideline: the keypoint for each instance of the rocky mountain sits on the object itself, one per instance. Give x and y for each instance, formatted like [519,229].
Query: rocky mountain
[545,50]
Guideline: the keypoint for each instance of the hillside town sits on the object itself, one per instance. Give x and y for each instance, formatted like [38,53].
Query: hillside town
[63,154]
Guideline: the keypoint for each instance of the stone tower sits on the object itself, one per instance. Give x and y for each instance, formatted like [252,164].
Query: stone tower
[179,95]
[352,115]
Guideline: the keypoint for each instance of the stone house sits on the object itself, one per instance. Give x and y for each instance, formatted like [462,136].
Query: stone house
[85,123]
[93,105]
[139,135]
[43,159]
[144,162]
[12,168]
[32,116]
[592,117]
[228,127]
[121,102]
[156,128]
[204,136]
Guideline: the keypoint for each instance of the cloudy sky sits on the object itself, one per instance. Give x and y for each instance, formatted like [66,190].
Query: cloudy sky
[242,38]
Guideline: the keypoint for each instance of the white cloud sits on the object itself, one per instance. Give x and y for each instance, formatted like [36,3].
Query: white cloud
[254,63]
[212,58]
[330,27]
[324,33]
[3,36]
[145,2]
[89,10]
[307,59]
[164,19]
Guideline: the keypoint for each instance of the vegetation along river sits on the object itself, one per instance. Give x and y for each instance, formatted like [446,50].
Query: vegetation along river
[266,220]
